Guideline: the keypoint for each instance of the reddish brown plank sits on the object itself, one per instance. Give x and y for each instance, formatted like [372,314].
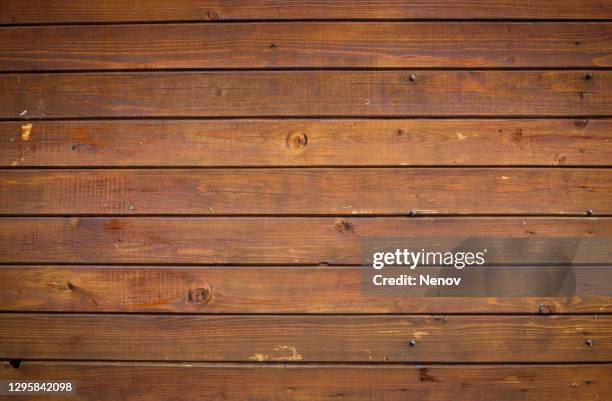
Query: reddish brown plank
[307,93]
[257,290]
[307,142]
[306,45]
[311,191]
[64,11]
[295,338]
[157,381]
[252,240]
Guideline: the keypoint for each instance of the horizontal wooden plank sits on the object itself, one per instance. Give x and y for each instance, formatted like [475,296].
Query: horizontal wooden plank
[162,381]
[254,240]
[306,45]
[307,93]
[295,338]
[310,191]
[306,142]
[257,290]
[70,11]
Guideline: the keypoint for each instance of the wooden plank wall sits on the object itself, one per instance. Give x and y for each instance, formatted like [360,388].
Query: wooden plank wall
[184,187]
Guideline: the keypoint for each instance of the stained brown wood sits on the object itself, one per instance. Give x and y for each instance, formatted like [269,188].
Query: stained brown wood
[310,93]
[295,338]
[307,143]
[157,381]
[250,240]
[254,289]
[306,45]
[310,191]
[67,11]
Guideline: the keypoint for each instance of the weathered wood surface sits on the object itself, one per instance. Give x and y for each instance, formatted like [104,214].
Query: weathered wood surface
[295,338]
[307,93]
[254,289]
[311,191]
[193,381]
[443,142]
[254,240]
[84,11]
[307,45]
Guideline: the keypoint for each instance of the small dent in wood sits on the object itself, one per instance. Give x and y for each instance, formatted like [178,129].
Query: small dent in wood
[580,124]
[84,146]
[517,136]
[424,376]
[293,355]
[442,319]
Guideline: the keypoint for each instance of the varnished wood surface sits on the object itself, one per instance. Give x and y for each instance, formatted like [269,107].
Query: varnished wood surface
[194,381]
[141,139]
[85,11]
[311,191]
[254,240]
[298,338]
[256,289]
[306,93]
[307,45]
[261,143]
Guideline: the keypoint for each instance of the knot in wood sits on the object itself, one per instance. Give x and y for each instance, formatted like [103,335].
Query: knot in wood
[546,308]
[198,295]
[297,141]
[344,226]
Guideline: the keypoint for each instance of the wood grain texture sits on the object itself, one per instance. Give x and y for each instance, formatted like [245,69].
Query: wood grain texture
[310,191]
[300,338]
[306,93]
[251,289]
[163,381]
[262,143]
[71,11]
[244,240]
[306,45]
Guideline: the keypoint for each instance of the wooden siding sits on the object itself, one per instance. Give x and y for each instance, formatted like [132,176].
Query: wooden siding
[185,188]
